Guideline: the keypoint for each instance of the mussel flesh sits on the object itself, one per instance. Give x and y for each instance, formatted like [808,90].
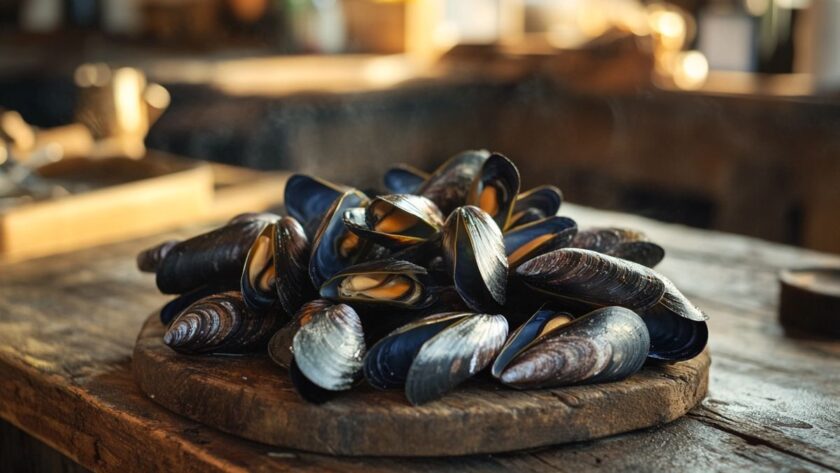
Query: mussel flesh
[213,259]
[475,254]
[533,239]
[495,188]
[605,345]
[449,184]
[387,282]
[622,243]
[404,179]
[280,345]
[149,259]
[535,204]
[334,246]
[329,349]
[432,355]
[220,323]
[396,220]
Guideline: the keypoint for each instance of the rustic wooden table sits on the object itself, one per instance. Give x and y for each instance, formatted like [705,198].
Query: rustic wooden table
[68,325]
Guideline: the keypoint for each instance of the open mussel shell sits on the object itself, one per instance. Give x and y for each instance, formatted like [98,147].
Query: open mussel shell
[220,323]
[677,327]
[308,198]
[149,259]
[388,282]
[605,345]
[258,275]
[330,348]
[280,345]
[449,184]
[334,246]
[291,265]
[215,258]
[396,220]
[454,355]
[622,243]
[544,320]
[475,254]
[535,204]
[404,179]
[533,239]
[592,278]
[495,188]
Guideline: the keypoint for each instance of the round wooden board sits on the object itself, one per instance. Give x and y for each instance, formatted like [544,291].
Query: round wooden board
[250,397]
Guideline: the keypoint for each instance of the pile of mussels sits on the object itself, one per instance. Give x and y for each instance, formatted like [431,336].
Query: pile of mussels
[417,288]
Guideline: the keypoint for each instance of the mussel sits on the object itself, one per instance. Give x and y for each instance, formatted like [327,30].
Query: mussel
[677,327]
[392,283]
[533,239]
[220,323]
[308,198]
[334,246]
[396,220]
[475,254]
[495,188]
[432,355]
[622,243]
[544,320]
[605,345]
[149,259]
[177,305]
[280,344]
[276,269]
[535,204]
[215,258]
[404,179]
[329,349]
[449,184]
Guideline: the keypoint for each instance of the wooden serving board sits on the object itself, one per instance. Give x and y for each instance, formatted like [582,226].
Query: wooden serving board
[251,397]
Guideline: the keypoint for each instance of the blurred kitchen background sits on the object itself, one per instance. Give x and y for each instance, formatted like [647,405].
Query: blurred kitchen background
[721,114]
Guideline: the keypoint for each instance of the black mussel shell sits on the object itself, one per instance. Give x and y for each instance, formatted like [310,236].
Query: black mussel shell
[334,246]
[254,217]
[280,345]
[213,259]
[533,239]
[605,345]
[220,323]
[454,355]
[330,348]
[495,188]
[449,184]
[544,320]
[149,259]
[404,179]
[258,275]
[177,305]
[677,327]
[291,265]
[396,220]
[392,283]
[592,278]
[535,204]
[622,243]
[475,254]
[308,198]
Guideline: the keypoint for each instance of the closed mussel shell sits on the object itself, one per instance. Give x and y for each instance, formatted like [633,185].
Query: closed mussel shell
[215,258]
[535,204]
[280,345]
[329,349]
[308,198]
[334,246]
[149,259]
[387,282]
[177,305]
[495,188]
[605,345]
[454,355]
[545,319]
[404,179]
[291,265]
[622,243]
[474,250]
[533,239]
[592,278]
[220,323]
[449,184]
[396,220]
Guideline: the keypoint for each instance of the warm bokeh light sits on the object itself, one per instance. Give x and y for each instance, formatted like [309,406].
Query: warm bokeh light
[690,70]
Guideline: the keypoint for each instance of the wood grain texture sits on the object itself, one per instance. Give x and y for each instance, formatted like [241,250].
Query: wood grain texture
[68,325]
[251,397]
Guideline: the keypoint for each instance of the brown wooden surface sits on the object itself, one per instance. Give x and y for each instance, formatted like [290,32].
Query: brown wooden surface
[252,398]
[68,325]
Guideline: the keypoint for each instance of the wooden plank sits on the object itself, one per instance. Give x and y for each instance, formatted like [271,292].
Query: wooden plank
[65,350]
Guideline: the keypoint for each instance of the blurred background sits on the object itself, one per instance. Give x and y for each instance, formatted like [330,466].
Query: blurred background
[720,114]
